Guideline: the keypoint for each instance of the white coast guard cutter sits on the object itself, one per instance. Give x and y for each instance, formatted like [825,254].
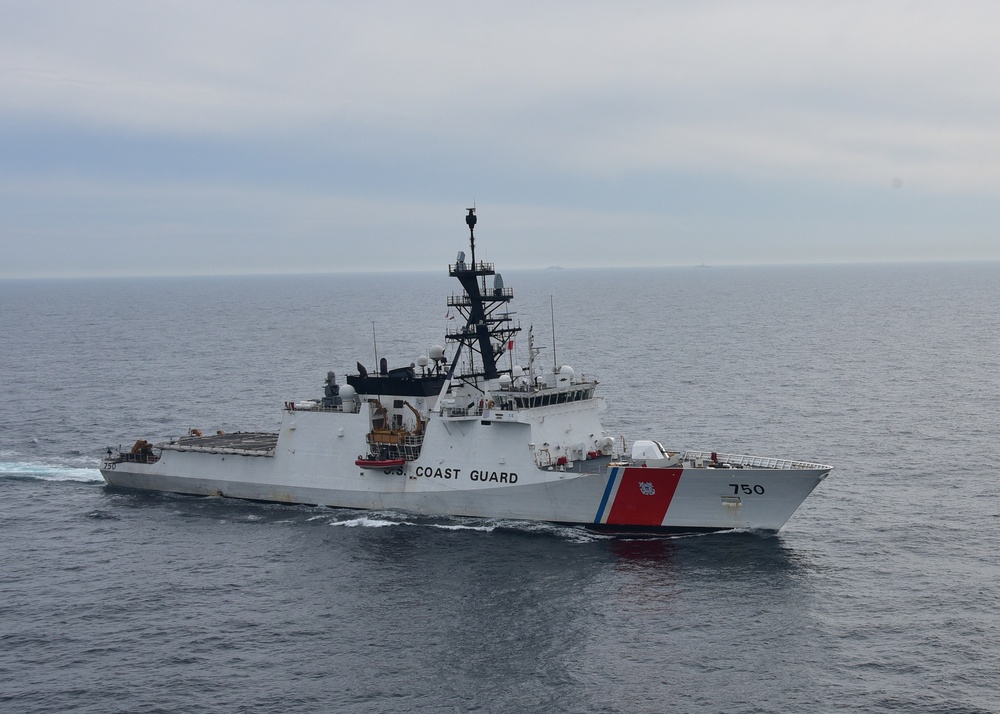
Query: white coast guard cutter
[472,437]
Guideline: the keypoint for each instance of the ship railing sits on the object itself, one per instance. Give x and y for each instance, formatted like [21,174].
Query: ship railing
[234,450]
[311,407]
[449,411]
[480,268]
[463,300]
[412,445]
[745,461]
[580,380]
[407,446]
[126,457]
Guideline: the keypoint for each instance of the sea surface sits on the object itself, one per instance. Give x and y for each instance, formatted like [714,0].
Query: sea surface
[879,595]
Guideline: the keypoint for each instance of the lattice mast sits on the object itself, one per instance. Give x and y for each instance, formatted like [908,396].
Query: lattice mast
[488,330]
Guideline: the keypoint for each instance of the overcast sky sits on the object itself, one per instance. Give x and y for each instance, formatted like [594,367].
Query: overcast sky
[246,137]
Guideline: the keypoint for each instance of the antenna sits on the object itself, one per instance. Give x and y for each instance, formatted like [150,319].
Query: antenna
[532,353]
[552,310]
[510,353]
[374,342]
[470,221]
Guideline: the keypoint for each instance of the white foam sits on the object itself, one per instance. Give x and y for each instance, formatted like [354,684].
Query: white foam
[482,529]
[684,536]
[48,472]
[368,523]
[575,535]
[571,533]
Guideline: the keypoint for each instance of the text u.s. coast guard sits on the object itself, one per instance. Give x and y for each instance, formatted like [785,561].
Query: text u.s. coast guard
[473,475]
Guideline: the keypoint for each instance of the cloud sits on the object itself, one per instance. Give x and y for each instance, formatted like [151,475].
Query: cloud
[670,111]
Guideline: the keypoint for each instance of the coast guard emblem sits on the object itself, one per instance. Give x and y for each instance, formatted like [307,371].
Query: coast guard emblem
[647,488]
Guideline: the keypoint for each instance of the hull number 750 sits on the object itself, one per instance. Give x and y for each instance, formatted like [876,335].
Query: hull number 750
[746,488]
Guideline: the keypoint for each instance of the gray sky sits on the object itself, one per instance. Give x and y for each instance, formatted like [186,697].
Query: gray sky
[244,137]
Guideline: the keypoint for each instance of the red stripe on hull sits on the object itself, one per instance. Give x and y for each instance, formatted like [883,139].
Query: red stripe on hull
[643,496]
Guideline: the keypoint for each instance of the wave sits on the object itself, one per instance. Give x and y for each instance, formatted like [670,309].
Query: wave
[572,534]
[387,520]
[49,472]
[366,522]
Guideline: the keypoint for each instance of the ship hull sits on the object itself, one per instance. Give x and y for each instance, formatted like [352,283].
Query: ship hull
[699,504]
[496,479]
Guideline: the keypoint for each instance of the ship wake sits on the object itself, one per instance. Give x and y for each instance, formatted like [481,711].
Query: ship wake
[48,472]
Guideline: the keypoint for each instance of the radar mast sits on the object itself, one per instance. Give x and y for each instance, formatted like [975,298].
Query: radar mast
[488,329]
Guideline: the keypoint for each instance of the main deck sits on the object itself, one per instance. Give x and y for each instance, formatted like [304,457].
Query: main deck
[246,443]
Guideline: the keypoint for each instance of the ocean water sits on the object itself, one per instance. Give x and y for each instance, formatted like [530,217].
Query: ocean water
[880,595]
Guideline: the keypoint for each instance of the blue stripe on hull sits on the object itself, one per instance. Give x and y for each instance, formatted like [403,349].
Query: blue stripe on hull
[607,494]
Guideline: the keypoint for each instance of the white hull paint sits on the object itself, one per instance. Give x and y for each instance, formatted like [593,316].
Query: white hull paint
[485,442]
[468,468]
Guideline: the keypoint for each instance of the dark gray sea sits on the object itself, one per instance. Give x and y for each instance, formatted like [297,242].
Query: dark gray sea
[880,595]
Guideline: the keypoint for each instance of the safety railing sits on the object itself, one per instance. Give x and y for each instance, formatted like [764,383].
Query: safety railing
[744,461]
